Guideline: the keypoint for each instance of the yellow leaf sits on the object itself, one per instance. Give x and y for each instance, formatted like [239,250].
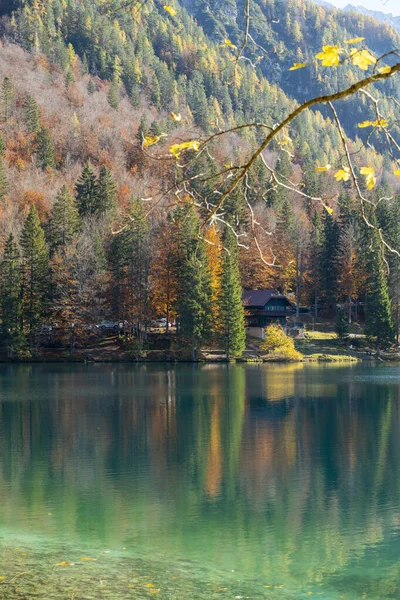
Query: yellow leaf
[362,58]
[229,43]
[64,563]
[397,173]
[342,174]
[322,169]
[384,69]
[86,558]
[377,123]
[177,149]
[365,124]
[367,171]
[175,117]
[328,209]
[170,10]
[149,585]
[149,141]
[330,56]
[355,40]
[297,66]
[370,179]
[2,578]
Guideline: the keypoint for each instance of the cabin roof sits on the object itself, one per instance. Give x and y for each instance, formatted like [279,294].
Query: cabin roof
[260,298]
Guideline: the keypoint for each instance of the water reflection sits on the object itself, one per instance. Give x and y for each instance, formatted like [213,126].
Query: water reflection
[285,472]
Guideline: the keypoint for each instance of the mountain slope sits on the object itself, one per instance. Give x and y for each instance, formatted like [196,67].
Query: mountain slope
[378,15]
[88,83]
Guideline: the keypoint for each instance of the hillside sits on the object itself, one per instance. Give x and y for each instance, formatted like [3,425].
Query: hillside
[383,17]
[86,87]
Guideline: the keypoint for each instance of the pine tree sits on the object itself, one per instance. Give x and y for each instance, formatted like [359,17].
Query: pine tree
[138,255]
[7,97]
[194,292]
[69,78]
[230,309]
[379,321]
[342,325]
[143,128]
[36,270]
[64,219]
[11,298]
[45,149]
[87,192]
[107,192]
[32,115]
[2,147]
[3,179]
[91,88]
[114,94]
[329,260]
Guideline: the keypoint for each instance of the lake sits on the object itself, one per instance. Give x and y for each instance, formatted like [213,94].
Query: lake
[214,481]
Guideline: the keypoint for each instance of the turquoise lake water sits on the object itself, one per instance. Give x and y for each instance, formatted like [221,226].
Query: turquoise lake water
[181,482]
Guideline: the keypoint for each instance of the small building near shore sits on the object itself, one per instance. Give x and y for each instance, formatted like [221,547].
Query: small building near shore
[263,307]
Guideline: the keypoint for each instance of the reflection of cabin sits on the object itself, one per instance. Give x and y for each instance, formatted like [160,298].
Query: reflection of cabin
[263,307]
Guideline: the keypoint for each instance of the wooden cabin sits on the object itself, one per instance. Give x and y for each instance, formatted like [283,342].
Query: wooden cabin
[263,307]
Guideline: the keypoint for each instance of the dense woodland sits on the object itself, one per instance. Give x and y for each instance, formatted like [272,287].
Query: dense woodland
[95,225]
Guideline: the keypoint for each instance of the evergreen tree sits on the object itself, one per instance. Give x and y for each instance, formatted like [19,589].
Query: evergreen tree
[342,325]
[91,88]
[11,298]
[7,97]
[113,96]
[137,246]
[36,270]
[32,115]
[143,129]
[64,219]
[69,78]
[45,149]
[106,192]
[3,179]
[193,303]
[2,147]
[328,260]
[230,309]
[316,245]
[87,192]
[379,321]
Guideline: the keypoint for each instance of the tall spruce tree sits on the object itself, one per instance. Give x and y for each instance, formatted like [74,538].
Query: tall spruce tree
[11,298]
[230,309]
[45,149]
[379,321]
[6,97]
[138,255]
[87,192]
[106,192]
[31,114]
[328,261]
[193,303]
[3,179]
[64,220]
[36,271]
[2,147]
[113,95]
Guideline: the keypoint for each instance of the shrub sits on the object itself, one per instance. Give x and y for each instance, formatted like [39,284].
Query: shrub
[279,345]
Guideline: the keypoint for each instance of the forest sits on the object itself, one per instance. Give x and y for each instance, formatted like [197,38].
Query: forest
[104,195]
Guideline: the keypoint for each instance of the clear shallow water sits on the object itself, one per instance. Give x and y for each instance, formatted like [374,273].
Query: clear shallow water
[199,482]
